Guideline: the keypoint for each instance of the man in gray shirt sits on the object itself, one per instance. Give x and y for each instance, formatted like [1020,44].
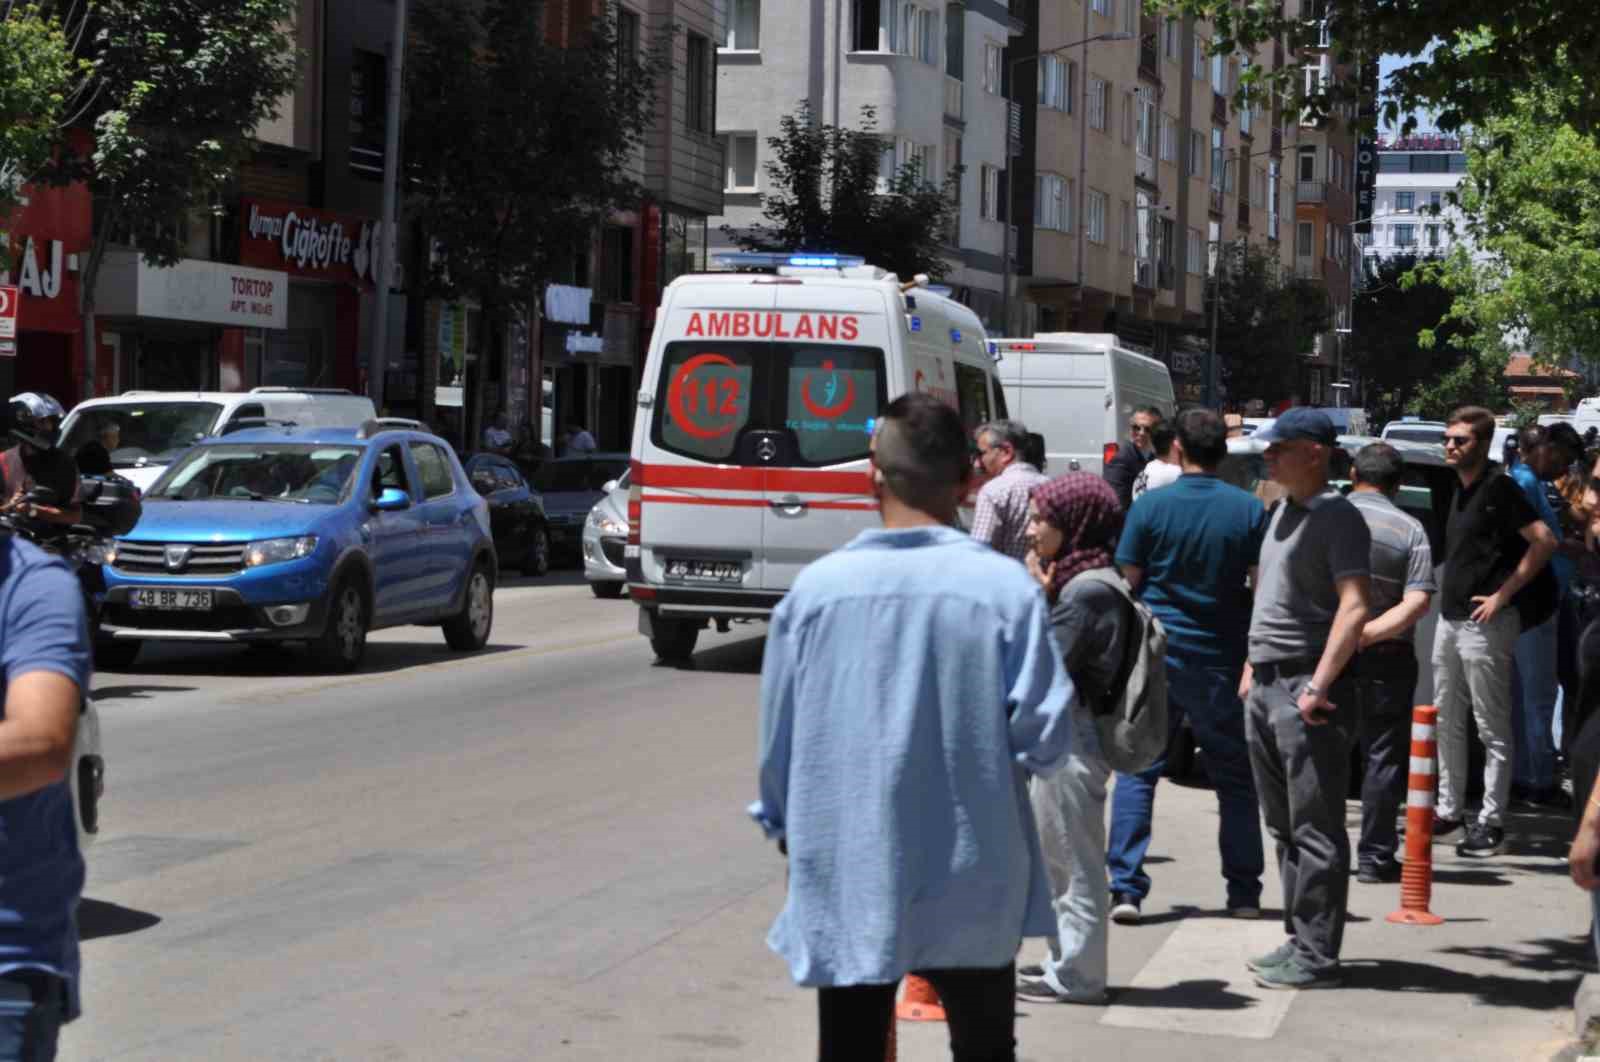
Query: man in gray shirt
[1385,667]
[1302,711]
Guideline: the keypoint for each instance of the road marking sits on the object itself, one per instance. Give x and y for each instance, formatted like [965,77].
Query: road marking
[1197,982]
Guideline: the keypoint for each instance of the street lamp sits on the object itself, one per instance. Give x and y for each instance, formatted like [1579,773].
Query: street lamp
[1011,199]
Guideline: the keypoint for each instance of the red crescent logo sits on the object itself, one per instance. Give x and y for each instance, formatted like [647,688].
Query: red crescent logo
[7,297]
[828,412]
[687,424]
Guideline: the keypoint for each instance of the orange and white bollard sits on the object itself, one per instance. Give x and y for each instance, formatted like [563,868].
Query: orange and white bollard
[919,1002]
[1416,877]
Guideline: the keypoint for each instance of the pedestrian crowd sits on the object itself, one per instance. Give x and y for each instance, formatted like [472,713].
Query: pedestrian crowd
[938,807]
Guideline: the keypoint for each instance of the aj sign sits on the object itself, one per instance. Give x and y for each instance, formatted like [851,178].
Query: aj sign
[8,312]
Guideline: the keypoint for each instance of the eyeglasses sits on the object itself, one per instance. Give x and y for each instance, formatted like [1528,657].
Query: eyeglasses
[1138,429]
[1457,440]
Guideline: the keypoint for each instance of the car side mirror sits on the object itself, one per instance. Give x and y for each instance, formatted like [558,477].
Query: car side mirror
[391,500]
[483,484]
[609,486]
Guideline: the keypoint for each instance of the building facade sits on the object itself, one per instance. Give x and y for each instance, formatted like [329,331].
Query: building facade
[1412,212]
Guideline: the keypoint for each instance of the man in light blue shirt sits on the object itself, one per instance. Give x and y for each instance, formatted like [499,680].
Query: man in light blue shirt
[910,684]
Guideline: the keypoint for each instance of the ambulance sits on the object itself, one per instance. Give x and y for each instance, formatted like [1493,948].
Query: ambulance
[756,409]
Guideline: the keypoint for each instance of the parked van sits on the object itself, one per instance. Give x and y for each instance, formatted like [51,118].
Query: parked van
[154,427]
[1079,390]
[751,440]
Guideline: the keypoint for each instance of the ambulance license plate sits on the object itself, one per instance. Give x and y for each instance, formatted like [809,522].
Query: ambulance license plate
[705,571]
[173,600]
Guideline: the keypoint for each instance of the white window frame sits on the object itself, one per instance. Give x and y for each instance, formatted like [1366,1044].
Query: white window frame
[1169,138]
[1099,94]
[1172,45]
[1057,80]
[988,192]
[1094,215]
[731,41]
[730,183]
[1197,155]
[1305,236]
[1144,137]
[1198,58]
[1195,260]
[1052,202]
[1107,8]
[993,67]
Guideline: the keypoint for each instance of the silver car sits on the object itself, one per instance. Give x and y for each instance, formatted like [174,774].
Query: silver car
[605,534]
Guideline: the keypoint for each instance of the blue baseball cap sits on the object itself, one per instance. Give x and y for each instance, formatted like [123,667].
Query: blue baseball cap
[1300,422]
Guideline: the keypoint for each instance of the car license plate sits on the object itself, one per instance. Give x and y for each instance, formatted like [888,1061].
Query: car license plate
[705,571]
[176,600]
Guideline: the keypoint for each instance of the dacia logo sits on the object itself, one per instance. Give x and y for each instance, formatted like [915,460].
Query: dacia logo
[178,557]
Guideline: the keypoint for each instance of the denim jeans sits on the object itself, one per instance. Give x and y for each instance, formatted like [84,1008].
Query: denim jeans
[1209,697]
[1472,675]
[979,1005]
[1070,809]
[33,1007]
[1384,687]
[1535,686]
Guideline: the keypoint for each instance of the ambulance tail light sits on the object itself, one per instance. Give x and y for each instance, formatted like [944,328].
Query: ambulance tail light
[635,500]
[1109,453]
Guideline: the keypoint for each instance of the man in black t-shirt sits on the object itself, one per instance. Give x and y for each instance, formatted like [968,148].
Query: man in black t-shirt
[1495,544]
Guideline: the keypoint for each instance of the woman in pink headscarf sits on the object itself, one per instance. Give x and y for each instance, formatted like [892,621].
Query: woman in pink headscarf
[1074,522]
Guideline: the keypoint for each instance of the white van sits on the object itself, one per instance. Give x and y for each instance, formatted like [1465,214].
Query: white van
[156,426]
[756,408]
[1079,390]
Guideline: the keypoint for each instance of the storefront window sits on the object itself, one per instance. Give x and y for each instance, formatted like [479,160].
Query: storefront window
[294,358]
[685,245]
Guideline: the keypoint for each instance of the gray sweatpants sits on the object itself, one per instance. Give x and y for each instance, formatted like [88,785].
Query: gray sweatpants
[1302,777]
[1472,675]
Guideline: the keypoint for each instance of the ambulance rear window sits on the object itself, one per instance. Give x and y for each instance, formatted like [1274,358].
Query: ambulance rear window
[814,402]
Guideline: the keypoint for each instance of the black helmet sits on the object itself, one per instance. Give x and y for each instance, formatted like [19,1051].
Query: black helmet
[30,413]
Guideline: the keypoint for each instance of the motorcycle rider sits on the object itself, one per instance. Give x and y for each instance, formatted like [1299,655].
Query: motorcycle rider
[36,461]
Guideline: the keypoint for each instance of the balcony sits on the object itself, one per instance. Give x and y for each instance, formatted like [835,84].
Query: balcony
[953,98]
[1150,48]
[1144,168]
[1311,191]
[1307,268]
[1013,129]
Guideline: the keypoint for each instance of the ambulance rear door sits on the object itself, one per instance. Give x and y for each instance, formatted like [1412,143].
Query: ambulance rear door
[826,387]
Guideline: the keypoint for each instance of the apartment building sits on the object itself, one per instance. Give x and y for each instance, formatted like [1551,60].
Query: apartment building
[934,71]
[1411,209]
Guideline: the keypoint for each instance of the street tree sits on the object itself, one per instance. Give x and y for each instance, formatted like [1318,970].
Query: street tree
[41,81]
[179,92]
[827,193]
[1266,321]
[1391,313]
[1479,53]
[514,159]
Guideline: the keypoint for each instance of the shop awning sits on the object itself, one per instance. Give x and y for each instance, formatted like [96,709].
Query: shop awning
[217,293]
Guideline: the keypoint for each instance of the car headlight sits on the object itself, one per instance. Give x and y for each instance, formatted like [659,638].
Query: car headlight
[100,553]
[606,525]
[276,550]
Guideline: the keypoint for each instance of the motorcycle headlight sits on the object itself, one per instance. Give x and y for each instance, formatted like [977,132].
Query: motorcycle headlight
[277,550]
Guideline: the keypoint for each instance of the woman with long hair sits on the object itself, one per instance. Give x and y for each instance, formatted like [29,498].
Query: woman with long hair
[1074,522]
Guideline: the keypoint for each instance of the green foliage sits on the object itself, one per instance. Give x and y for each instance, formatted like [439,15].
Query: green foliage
[181,90]
[825,197]
[38,77]
[1390,316]
[1531,201]
[1265,321]
[1484,52]
[1477,379]
[515,157]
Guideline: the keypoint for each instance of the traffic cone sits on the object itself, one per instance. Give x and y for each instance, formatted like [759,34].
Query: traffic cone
[1416,877]
[919,1002]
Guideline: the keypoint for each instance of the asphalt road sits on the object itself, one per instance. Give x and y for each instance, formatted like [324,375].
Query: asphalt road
[539,852]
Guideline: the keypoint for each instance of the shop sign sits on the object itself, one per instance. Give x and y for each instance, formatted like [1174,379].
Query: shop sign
[203,292]
[8,312]
[310,243]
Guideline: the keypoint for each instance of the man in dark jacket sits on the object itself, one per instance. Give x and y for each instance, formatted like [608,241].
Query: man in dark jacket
[1134,454]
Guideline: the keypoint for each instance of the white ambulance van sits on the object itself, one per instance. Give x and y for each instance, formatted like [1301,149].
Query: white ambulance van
[756,408]
[1079,390]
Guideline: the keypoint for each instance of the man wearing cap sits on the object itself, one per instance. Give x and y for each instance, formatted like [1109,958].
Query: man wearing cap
[1302,712]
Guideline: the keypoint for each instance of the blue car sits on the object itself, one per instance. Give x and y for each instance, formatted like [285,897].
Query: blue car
[314,535]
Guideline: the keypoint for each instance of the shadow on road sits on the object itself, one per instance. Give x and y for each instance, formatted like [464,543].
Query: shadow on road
[1545,955]
[1189,995]
[1181,912]
[271,661]
[740,658]
[1542,992]
[562,576]
[100,918]
[136,692]
[1452,876]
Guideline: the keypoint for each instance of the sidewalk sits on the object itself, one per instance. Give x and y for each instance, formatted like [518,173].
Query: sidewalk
[1495,982]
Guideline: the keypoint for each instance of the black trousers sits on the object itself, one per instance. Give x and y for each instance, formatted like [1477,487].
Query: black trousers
[1385,685]
[980,1006]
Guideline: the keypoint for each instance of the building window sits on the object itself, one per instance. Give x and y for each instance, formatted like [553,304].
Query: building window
[616,264]
[952,162]
[1405,235]
[989,193]
[744,25]
[1166,249]
[1308,164]
[368,90]
[1198,58]
[1129,119]
[1435,201]
[1197,154]
[1099,93]
[1305,237]
[1216,159]
[1103,7]
[993,65]
[698,70]
[740,151]
[1405,202]
[1050,202]
[868,26]
[1274,171]
[1094,215]
[1245,119]
[927,40]
[1169,138]
[1433,236]
[1145,132]
[1173,34]
[1196,258]
[1219,74]
[1144,240]
[1056,77]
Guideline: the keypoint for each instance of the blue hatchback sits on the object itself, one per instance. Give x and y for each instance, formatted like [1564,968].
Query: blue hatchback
[313,535]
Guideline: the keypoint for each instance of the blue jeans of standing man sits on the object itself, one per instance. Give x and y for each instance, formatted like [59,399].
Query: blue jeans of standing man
[1535,683]
[1209,696]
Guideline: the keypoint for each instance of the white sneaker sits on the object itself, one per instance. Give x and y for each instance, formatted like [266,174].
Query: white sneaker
[1125,911]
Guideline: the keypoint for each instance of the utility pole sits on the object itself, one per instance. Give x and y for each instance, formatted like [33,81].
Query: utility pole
[1213,374]
[378,364]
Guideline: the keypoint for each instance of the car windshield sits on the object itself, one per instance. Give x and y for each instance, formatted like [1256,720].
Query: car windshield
[310,475]
[137,434]
[1421,435]
[556,477]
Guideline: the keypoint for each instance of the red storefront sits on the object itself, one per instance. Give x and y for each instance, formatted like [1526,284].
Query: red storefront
[49,239]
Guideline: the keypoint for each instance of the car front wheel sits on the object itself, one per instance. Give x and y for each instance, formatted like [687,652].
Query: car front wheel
[468,630]
[536,561]
[344,639]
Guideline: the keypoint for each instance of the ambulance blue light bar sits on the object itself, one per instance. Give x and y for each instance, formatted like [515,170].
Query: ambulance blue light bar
[778,259]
